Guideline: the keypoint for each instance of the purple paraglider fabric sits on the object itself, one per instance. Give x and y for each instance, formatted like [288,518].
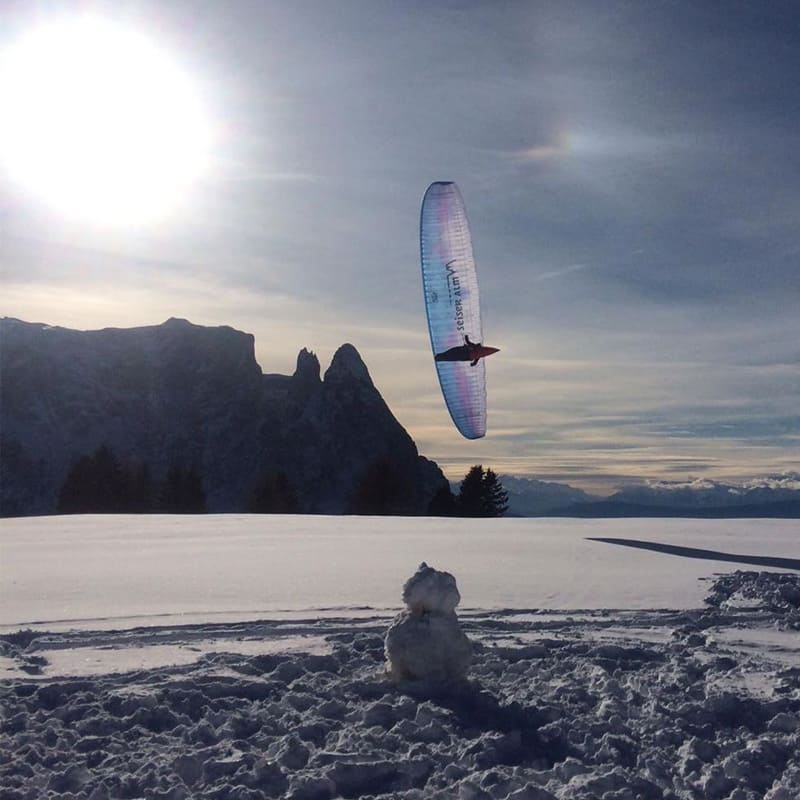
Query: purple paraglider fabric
[450,285]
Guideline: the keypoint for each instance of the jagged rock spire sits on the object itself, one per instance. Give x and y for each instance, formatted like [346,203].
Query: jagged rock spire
[347,362]
[308,369]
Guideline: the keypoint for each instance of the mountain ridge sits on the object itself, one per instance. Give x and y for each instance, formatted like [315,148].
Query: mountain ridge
[775,495]
[194,396]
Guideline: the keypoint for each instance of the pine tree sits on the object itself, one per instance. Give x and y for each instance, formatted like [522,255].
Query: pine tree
[182,492]
[470,495]
[382,490]
[100,484]
[481,494]
[94,484]
[274,496]
[495,497]
[443,503]
[137,487]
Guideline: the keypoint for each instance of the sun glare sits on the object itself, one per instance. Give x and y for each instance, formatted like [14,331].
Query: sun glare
[99,123]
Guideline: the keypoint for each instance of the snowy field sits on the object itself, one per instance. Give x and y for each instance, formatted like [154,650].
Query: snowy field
[96,571]
[242,657]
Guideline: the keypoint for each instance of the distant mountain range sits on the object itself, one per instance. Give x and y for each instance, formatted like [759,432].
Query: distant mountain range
[772,496]
[529,497]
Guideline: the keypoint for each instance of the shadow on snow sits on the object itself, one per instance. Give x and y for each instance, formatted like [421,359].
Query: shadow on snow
[696,552]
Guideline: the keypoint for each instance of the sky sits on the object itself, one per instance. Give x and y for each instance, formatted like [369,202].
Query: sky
[632,179]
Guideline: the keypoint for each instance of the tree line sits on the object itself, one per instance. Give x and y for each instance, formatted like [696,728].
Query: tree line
[480,494]
[101,483]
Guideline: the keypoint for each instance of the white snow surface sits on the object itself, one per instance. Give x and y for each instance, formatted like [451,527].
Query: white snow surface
[90,571]
[243,657]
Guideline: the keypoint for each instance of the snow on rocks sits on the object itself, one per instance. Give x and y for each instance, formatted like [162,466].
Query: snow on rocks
[425,642]
[778,595]
[568,707]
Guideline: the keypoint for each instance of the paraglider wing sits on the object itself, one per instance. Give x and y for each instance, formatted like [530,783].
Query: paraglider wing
[450,284]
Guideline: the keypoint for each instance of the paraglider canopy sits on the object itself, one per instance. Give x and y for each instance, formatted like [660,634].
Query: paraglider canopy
[452,304]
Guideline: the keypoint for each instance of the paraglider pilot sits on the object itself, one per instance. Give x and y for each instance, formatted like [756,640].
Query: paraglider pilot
[469,351]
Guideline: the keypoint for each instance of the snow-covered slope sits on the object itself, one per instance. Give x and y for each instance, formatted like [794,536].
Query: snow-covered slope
[149,568]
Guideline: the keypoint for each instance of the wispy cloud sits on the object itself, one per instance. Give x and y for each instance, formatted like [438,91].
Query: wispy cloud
[560,272]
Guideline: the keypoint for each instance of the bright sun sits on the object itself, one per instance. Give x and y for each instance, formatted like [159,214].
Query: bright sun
[99,123]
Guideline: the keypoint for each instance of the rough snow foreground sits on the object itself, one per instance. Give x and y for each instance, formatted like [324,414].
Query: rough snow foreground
[600,705]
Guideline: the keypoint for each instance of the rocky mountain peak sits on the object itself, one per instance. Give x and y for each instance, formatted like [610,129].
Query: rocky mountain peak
[305,382]
[177,322]
[347,363]
[308,369]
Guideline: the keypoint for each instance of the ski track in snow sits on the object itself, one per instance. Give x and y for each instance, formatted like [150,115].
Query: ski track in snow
[575,705]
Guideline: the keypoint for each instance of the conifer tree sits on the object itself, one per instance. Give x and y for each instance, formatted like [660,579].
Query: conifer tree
[443,503]
[470,495]
[94,484]
[381,491]
[481,494]
[99,483]
[182,492]
[274,495]
[137,487]
[495,497]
